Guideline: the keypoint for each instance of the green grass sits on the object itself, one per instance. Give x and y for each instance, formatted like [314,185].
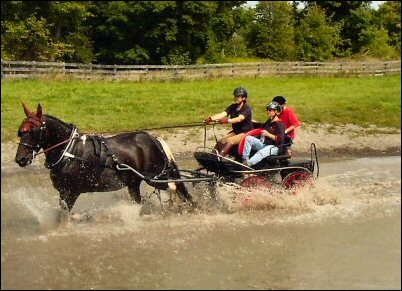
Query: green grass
[110,106]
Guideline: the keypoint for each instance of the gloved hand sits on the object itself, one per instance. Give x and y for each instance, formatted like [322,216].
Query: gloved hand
[223,120]
[208,120]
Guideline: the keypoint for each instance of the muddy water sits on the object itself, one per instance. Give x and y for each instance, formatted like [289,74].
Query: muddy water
[344,233]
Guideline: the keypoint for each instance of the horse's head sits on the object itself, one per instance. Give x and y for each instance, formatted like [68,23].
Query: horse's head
[31,135]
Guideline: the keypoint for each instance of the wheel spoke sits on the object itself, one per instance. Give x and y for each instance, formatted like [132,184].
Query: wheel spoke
[297,180]
[256,183]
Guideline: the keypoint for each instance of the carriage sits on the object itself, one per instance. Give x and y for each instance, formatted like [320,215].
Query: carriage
[282,169]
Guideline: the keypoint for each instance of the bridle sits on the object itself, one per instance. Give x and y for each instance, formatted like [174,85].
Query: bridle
[38,133]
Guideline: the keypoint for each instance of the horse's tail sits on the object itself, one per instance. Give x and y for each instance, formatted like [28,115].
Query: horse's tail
[181,188]
[166,149]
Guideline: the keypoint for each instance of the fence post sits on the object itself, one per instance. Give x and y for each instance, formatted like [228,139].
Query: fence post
[34,67]
[146,72]
[385,68]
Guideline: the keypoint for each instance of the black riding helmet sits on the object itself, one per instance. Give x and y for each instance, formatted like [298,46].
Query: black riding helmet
[275,106]
[280,99]
[240,91]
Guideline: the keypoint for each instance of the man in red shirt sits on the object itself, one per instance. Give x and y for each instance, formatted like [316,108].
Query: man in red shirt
[289,117]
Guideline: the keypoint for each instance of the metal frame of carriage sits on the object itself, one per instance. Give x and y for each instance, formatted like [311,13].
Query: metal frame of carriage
[292,173]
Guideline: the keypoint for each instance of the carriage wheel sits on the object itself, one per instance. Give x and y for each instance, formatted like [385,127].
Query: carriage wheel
[256,183]
[297,180]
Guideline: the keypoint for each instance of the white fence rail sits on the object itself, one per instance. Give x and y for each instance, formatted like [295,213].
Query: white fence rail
[24,69]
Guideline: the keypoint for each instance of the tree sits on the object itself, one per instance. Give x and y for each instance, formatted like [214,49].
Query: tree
[316,39]
[68,21]
[271,34]
[226,21]
[342,14]
[375,43]
[45,30]
[389,17]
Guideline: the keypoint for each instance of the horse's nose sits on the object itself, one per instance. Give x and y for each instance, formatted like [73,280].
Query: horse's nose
[22,162]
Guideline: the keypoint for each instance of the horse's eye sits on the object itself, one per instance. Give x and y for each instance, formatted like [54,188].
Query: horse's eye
[21,132]
[36,132]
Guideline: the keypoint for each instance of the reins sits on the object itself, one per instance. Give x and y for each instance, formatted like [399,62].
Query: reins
[174,126]
[169,127]
[56,145]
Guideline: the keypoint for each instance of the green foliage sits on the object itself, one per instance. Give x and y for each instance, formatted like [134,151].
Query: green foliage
[81,49]
[271,34]
[45,31]
[316,39]
[338,10]
[154,32]
[236,46]
[177,57]
[213,55]
[28,40]
[375,43]
[187,32]
[389,17]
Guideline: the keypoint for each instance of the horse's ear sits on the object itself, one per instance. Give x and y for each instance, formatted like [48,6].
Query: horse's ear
[39,112]
[26,109]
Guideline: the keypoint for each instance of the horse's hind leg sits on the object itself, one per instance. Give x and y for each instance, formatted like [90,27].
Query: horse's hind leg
[134,190]
[183,192]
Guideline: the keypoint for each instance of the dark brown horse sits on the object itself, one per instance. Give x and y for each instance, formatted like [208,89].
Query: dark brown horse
[81,163]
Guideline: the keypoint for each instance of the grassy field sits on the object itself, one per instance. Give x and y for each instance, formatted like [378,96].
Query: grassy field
[107,106]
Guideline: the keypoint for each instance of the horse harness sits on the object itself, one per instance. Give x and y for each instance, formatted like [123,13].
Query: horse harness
[101,150]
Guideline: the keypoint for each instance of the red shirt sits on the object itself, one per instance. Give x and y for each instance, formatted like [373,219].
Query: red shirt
[288,116]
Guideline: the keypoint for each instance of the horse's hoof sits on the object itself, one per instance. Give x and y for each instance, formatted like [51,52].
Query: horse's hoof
[63,216]
[80,217]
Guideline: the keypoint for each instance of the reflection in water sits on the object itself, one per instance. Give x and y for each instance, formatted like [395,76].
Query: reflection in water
[343,233]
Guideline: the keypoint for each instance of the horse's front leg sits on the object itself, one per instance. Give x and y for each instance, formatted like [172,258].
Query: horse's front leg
[66,201]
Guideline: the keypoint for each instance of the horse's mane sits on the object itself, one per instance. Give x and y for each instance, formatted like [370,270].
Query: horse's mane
[55,119]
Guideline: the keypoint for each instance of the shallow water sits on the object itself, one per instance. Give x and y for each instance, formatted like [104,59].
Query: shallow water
[344,233]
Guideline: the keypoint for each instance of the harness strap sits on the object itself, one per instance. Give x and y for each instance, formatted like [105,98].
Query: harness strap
[101,149]
[74,135]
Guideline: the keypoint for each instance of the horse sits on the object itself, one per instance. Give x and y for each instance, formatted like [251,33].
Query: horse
[82,163]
